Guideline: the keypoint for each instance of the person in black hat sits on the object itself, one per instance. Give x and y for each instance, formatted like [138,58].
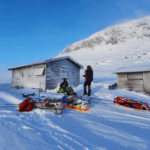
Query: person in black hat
[63,86]
[88,79]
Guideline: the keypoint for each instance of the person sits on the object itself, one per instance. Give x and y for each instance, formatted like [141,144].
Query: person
[88,79]
[63,86]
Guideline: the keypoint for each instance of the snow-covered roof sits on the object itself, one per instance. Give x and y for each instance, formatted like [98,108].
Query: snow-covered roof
[47,61]
[133,69]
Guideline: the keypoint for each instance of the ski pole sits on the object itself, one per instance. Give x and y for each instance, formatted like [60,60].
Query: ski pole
[11,104]
[8,106]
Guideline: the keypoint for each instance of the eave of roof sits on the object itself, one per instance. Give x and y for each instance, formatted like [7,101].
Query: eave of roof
[47,61]
[133,69]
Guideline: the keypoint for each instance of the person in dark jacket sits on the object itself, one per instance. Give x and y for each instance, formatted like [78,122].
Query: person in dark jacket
[88,79]
[63,86]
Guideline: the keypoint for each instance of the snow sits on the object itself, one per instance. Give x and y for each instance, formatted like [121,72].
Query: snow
[133,69]
[106,126]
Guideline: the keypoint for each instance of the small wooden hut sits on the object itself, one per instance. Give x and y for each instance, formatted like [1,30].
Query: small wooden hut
[134,78]
[47,74]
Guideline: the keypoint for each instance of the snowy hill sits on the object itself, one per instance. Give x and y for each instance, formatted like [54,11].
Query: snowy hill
[119,34]
[121,45]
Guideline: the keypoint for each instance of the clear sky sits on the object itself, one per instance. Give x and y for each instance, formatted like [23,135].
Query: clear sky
[34,30]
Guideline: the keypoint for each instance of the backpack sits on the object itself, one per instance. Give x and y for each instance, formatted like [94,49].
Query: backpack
[26,105]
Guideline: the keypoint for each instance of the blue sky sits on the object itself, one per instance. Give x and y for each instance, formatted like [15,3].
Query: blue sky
[34,30]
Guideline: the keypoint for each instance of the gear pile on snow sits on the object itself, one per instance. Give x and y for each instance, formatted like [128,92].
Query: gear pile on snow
[131,103]
[53,105]
[73,102]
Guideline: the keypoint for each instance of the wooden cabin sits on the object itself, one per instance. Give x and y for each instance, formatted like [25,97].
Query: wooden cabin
[134,79]
[47,74]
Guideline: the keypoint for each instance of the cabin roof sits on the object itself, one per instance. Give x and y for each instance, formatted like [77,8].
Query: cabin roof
[133,69]
[47,61]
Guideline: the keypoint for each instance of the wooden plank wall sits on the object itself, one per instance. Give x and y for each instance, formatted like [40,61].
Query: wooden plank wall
[131,82]
[52,74]
[60,69]
[72,71]
[146,78]
[24,77]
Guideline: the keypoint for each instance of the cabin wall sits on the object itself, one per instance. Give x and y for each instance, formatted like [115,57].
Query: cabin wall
[146,78]
[60,69]
[131,82]
[26,77]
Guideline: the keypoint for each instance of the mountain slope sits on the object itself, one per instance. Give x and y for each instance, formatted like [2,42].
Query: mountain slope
[118,46]
[119,34]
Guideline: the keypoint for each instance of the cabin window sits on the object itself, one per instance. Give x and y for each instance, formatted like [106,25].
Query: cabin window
[135,76]
[39,71]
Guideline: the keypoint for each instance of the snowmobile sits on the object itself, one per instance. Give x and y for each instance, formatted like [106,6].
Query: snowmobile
[69,91]
[131,103]
[73,102]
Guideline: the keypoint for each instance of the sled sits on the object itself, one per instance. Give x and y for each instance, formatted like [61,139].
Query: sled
[72,102]
[53,105]
[131,103]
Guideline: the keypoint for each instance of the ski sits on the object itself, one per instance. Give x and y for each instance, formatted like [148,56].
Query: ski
[91,101]
[91,98]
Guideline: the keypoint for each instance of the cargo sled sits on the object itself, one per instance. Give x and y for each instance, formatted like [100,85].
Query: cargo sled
[131,103]
[73,102]
[53,105]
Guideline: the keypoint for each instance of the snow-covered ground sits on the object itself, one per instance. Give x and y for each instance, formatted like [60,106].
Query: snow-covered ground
[105,126]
